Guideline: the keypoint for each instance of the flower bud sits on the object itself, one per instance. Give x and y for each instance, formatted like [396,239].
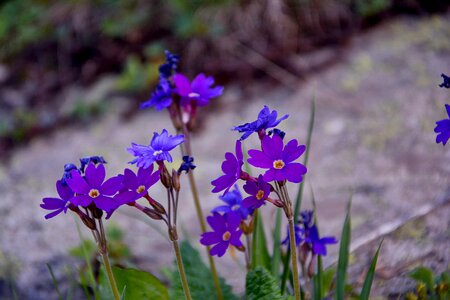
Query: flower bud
[165,177]
[152,213]
[176,180]
[303,251]
[158,207]
[89,222]
[241,248]
[245,228]
[96,212]
[311,267]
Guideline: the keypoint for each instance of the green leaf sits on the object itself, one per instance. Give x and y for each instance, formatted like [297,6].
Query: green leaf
[327,280]
[198,275]
[134,283]
[260,254]
[55,282]
[276,254]
[424,275]
[343,256]
[260,284]
[365,292]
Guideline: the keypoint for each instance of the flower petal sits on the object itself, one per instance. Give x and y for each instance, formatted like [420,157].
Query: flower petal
[95,175]
[112,185]
[77,183]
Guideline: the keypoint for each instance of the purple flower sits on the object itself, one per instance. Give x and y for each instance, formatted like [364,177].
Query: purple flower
[199,91]
[317,244]
[298,236]
[68,168]
[258,191]
[92,189]
[233,199]
[443,128]
[232,168]
[225,232]
[446,83]
[95,159]
[187,164]
[306,218]
[162,96]
[266,119]
[277,160]
[169,67]
[58,205]
[158,150]
[136,186]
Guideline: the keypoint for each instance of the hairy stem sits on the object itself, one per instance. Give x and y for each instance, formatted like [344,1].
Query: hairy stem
[184,282]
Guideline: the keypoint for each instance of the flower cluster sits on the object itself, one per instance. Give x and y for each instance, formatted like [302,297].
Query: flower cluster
[446,81]
[275,157]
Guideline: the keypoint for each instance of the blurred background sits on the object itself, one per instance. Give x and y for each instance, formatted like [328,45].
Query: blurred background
[73,73]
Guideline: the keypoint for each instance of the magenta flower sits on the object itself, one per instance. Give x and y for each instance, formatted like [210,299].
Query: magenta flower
[157,150]
[136,186]
[225,232]
[278,160]
[58,205]
[92,189]
[258,191]
[199,91]
[232,167]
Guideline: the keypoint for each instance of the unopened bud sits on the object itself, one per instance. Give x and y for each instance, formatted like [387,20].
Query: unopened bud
[165,177]
[245,228]
[176,180]
[303,251]
[152,213]
[241,248]
[158,207]
[250,225]
[96,212]
[89,222]
[311,267]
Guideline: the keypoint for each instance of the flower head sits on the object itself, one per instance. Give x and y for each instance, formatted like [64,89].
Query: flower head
[187,164]
[298,236]
[157,150]
[68,168]
[317,244]
[162,96]
[278,160]
[92,188]
[199,91]
[233,200]
[446,83]
[135,186]
[170,66]
[225,232]
[266,119]
[95,159]
[443,128]
[232,167]
[58,205]
[258,191]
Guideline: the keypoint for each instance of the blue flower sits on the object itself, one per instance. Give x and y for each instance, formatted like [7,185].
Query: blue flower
[298,236]
[266,119]
[161,97]
[68,168]
[306,218]
[443,128]
[187,164]
[170,66]
[95,159]
[233,200]
[446,83]
[317,244]
[157,150]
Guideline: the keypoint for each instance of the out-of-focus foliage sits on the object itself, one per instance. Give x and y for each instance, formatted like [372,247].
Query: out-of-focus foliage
[429,286]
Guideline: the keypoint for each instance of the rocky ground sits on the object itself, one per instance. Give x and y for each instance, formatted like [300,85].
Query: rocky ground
[373,137]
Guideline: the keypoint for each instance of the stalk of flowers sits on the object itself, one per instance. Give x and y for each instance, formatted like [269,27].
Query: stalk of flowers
[85,192]
[278,160]
[182,98]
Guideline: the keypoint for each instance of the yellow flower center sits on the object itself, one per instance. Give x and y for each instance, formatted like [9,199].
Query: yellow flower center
[94,193]
[260,194]
[226,236]
[278,164]
[140,189]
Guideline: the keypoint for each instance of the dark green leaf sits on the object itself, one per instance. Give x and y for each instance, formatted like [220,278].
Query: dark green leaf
[365,292]
[260,254]
[424,275]
[343,256]
[260,285]
[276,254]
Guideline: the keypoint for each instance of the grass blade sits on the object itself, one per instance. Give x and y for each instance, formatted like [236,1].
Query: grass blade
[318,278]
[343,256]
[55,282]
[365,292]
[260,255]
[276,254]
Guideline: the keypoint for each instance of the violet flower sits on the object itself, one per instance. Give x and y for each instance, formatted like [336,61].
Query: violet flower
[317,244]
[307,218]
[298,236]
[95,159]
[278,160]
[157,150]
[199,91]
[162,96]
[225,232]
[232,167]
[233,200]
[443,128]
[170,66]
[187,164]
[68,168]
[58,205]
[258,191]
[136,186]
[265,120]
[93,189]
[446,82]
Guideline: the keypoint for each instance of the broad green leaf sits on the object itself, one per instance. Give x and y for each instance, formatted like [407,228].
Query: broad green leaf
[260,285]
[135,283]
[424,275]
[199,277]
[365,292]
[343,256]
[260,254]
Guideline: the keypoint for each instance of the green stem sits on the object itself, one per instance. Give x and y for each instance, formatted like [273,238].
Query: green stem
[294,258]
[186,290]
[111,279]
